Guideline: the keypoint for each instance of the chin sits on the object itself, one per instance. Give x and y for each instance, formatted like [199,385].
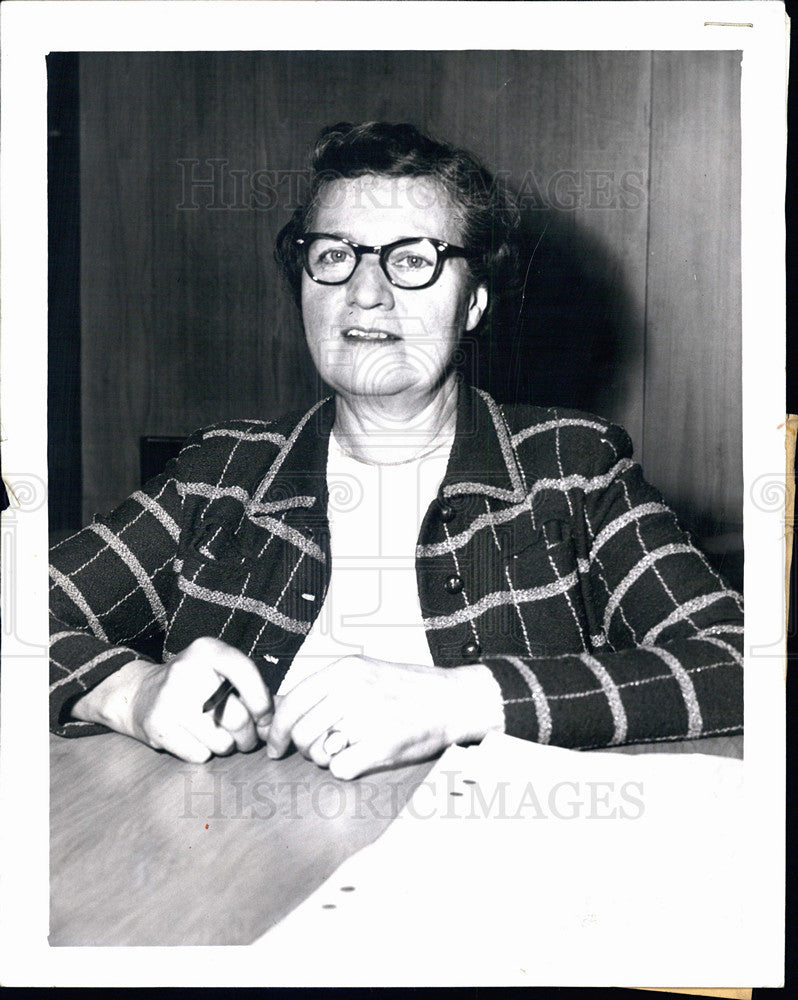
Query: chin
[384,388]
[382,377]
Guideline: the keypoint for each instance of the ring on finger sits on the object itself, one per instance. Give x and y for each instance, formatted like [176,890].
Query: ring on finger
[334,742]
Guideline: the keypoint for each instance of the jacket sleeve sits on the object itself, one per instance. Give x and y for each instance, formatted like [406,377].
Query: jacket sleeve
[664,656]
[108,586]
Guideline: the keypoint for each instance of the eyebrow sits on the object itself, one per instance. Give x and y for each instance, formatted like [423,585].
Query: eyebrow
[409,236]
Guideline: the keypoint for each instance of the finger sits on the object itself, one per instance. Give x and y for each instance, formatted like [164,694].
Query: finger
[263,726]
[354,761]
[315,725]
[245,677]
[187,747]
[290,709]
[238,724]
[218,740]
[318,752]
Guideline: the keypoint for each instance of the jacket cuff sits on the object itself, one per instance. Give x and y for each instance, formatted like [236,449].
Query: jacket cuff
[521,709]
[78,663]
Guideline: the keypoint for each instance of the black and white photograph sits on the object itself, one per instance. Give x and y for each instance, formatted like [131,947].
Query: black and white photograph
[396,473]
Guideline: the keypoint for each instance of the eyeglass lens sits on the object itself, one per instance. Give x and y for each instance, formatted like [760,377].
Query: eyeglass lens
[409,265]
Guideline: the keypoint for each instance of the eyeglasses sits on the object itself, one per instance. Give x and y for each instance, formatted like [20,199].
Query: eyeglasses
[414,262]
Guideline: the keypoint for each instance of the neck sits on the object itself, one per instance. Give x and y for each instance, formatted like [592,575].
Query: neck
[389,430]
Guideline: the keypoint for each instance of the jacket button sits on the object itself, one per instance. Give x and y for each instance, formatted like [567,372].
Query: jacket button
[446,512]
[471,650]
[454,584]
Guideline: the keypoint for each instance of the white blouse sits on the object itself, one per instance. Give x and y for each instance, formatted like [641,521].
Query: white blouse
[372,608]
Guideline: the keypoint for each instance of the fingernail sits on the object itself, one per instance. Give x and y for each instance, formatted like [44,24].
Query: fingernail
[272,752]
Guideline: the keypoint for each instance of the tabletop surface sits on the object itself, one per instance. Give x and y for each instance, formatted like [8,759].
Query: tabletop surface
[146,849]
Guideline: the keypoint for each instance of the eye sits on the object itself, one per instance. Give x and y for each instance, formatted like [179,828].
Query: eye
[331,255]
[411,259]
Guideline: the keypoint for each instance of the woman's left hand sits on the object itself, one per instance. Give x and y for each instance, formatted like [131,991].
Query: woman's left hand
[388,713]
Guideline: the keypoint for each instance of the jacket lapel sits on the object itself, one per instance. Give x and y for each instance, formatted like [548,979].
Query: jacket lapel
[297,479]
[482,460]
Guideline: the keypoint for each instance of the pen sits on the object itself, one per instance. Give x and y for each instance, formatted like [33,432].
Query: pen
[218,696]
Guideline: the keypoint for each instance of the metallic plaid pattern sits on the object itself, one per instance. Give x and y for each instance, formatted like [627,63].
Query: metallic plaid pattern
[546,556]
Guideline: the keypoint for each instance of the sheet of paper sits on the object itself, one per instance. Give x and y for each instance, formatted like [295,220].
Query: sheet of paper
[729,994]
[520,864]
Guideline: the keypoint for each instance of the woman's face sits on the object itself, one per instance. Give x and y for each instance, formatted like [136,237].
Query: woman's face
[368,337]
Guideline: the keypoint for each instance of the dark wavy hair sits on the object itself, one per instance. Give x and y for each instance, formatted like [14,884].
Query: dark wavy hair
[485,209]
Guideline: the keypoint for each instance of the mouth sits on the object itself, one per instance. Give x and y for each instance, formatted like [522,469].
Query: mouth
[368,336]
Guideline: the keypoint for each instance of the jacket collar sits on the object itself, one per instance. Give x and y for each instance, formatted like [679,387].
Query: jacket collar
[299,471]
[482,460]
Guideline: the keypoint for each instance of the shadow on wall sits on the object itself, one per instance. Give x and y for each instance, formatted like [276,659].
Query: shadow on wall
[568,338]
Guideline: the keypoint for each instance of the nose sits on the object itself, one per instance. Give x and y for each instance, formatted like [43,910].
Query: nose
[368,288]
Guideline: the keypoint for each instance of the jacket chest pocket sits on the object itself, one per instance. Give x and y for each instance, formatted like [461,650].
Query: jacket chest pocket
[532,583]
[233,585]
[219,587]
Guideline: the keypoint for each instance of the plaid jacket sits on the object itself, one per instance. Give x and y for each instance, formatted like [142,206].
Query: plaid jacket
[545,556]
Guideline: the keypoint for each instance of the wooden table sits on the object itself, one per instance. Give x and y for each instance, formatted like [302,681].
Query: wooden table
[148,850]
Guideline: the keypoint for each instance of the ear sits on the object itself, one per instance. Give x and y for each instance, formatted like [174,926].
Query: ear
[477,303]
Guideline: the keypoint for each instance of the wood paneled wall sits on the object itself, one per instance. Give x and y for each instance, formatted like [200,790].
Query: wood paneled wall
[628,168]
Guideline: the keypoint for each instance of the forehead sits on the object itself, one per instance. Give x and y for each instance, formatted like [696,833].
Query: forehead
[377,209]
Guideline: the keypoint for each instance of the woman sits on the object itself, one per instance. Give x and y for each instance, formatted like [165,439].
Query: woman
[503,567]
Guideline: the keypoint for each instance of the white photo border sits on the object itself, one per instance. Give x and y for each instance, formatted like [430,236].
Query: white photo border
[32,29]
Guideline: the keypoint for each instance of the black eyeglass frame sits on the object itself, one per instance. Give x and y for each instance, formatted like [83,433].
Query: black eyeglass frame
[443,250]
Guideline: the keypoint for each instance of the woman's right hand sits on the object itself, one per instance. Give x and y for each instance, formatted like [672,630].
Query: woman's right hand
[161,704]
